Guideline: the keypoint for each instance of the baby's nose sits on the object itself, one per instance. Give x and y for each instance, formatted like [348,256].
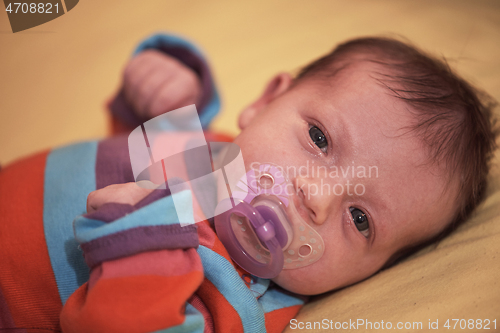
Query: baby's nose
[314,197]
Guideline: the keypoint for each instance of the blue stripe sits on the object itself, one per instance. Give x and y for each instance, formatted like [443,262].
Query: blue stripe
[160,212]
[194,322]
[158,40]
[275,299]
[69,178]
[226,279]
[259,286]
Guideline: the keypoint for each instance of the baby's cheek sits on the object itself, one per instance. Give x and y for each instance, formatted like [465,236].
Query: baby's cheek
[289,281]
[305,281]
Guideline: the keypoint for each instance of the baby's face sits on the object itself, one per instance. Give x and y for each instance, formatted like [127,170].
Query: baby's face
[396,196]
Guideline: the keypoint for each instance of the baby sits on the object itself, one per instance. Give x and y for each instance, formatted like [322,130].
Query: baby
[371,102]
[385,149]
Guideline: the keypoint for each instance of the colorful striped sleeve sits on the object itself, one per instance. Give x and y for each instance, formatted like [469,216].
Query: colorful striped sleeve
[144,269]
[125,119]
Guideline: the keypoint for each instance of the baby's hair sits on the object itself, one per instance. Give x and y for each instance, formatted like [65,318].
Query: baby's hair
[452,117]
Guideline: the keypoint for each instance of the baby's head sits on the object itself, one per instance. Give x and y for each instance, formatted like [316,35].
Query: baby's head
[385,148]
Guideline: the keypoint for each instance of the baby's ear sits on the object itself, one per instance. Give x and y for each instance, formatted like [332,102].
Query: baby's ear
[278,85]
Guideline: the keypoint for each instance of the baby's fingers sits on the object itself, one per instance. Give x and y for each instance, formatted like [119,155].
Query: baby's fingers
[129,193]
[181,90]
[136,72]
[155,83]
[146,91]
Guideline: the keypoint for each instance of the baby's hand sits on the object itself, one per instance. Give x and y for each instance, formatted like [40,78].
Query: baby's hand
[129,193]
[155,83]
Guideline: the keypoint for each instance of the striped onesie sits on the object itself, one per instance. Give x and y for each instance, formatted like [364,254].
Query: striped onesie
[122,268]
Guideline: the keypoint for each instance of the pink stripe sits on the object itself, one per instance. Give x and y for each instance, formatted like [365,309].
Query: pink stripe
[198,304]
[164,262]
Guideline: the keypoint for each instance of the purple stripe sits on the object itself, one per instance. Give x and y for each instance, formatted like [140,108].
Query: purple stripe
[137,240]
[113,162]
[153,196]
[110,212]
[121,109]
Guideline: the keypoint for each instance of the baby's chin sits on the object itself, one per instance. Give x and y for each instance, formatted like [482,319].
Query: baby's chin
[300,281]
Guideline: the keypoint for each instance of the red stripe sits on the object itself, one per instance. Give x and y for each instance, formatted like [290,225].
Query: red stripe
[225,317]
[176,262]
[218,137]
[26,277]
[278,320]
[6,320]
[130,304]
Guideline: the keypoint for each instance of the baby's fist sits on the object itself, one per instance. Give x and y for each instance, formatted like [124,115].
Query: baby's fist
[129,193]
[154,83]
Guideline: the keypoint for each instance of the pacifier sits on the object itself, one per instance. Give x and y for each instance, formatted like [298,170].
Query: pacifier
[254,226]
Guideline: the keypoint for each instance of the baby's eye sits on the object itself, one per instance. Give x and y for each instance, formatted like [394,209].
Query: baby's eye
[318,138]
[360,221]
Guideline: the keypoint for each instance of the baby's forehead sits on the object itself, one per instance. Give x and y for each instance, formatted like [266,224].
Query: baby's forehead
[361,69]
[361,78]
[361,83]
